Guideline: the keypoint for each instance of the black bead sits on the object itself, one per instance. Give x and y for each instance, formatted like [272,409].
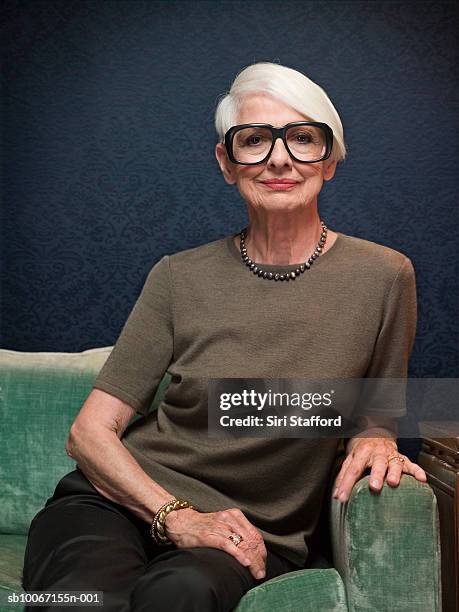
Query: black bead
[297,271]
[270,275]
[251,266]
[292,275]
[307,265]
[276,277]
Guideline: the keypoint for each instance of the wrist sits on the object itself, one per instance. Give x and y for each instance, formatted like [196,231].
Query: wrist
[158,525]
[172,519]
[372,432]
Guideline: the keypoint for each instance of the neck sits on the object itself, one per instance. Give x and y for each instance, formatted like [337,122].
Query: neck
[283,238]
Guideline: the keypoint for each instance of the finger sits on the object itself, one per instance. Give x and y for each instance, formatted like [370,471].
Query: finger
[353,473]
[252,544]
[341,473]
[378,471]
[254,547]
[409,467]
[220,541]
[241,555]
[415,469]
[253,537]
[394,472]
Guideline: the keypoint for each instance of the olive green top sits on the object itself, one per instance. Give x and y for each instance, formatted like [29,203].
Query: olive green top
[202,314]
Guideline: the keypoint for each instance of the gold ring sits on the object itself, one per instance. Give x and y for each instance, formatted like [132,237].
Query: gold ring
[396,458]
[235,538]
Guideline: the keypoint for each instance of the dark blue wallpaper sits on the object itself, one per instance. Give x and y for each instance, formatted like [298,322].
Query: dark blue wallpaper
[94,191]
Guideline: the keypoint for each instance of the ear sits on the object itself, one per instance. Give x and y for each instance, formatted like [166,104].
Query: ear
[226,166]
[329,169]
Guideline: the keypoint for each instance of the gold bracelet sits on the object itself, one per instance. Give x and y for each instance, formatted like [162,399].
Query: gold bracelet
[158,527]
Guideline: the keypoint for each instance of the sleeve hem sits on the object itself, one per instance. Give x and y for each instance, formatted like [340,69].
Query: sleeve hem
[122,395]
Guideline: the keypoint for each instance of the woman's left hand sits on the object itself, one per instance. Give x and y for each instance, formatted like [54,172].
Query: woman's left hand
[374,453]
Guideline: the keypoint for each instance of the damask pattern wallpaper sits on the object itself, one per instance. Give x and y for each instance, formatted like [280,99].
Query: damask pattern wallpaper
[108,149]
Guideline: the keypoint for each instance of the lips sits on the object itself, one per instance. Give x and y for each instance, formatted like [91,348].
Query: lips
[280,181]
[280,184]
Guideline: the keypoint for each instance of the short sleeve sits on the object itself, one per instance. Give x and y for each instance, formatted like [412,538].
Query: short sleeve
[144,348]
[394,343]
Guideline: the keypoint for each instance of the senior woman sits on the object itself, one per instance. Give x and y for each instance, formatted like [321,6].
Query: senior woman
[159,513]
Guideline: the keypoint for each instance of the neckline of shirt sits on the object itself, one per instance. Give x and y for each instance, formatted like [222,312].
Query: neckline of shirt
[328,255]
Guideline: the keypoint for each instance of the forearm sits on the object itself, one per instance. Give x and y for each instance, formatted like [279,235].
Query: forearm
[114,472]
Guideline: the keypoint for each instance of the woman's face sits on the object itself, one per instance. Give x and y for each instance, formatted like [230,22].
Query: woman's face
[263,108]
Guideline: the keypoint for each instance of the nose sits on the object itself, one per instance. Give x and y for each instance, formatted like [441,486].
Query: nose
[279,155]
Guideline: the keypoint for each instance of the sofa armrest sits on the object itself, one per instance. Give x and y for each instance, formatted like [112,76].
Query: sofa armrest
[386,547]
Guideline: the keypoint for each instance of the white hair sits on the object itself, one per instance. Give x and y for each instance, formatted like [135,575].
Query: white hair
[287,85]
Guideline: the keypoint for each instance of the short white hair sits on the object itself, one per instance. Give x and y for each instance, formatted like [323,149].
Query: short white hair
[288,85]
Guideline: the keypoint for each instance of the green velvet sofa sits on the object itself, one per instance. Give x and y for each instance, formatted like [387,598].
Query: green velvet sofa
[384,548]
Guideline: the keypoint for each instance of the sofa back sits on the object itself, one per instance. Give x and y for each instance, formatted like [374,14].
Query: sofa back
[40,396]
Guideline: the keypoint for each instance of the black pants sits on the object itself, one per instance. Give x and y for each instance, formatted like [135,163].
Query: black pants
[83,541]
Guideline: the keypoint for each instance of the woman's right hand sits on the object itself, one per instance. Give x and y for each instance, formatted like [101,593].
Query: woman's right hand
[188,528]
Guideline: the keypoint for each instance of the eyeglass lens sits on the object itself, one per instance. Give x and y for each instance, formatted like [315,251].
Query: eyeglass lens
[306,142]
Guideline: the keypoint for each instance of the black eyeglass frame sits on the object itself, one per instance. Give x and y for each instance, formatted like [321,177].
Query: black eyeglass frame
[279,133]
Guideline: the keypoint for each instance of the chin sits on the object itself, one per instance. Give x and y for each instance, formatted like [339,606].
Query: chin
[279,200]
[282,205]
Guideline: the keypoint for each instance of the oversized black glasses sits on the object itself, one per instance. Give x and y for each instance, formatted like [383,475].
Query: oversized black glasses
[307,142]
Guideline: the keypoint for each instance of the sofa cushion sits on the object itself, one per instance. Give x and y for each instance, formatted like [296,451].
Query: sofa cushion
[40,395]
[309,590]
[12,548]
